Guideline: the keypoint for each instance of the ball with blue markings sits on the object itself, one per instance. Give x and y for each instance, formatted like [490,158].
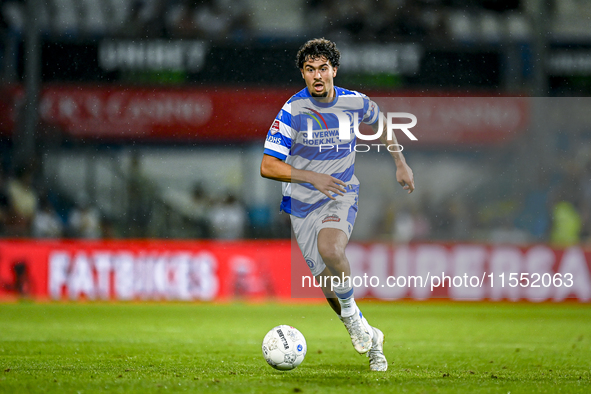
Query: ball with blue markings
[284,347]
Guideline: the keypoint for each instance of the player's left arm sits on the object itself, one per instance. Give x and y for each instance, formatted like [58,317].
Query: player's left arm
[404,174]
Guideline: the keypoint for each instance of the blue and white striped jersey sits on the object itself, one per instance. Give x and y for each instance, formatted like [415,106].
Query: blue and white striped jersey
[320,150]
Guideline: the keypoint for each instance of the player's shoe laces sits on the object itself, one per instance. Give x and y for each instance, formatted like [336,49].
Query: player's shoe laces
[377,360]
[360,334]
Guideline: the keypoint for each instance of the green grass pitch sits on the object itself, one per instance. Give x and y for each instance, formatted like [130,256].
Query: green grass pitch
[432,347]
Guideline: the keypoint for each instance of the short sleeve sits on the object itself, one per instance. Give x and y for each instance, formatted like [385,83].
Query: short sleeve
[280,135]
[372,111]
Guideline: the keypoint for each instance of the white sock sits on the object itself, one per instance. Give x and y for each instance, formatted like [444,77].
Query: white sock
[344,292]
[348,307]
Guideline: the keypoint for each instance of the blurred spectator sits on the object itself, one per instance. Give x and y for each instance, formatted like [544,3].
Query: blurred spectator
[452,219]
[349,20]
[411,224]
[47,223]
[200,205]
[400,19]
[566,224]
[210,19]
[155,26]
[84,221]
[403,226]
[4,203]
[461,220]
[135,24]
[140,194]
[108,230]
[535,216]
[385,21]
[3,23]
[317,14]
[586,201]
[422,220]
[12,15]
[23,203]
[194,207]
[228,218]
[147,19]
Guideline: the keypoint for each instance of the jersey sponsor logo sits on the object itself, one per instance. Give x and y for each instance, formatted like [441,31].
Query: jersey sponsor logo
[275,127]
[331,218]
[274,140]
[319,138]
[317,117]
[310,263]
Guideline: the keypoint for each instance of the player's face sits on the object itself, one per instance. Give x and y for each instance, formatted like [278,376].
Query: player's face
[319,74]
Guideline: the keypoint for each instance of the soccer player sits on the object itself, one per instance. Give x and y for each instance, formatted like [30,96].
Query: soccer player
[320,191]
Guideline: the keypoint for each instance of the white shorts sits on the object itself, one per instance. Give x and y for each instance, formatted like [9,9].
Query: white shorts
[339,213]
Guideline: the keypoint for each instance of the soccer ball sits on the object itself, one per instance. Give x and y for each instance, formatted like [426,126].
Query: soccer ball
[284,347]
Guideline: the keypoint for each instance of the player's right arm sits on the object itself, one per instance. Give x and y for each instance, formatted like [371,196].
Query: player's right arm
[276,169]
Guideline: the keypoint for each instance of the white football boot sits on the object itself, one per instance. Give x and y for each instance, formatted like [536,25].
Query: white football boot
[360,331]
[377,360]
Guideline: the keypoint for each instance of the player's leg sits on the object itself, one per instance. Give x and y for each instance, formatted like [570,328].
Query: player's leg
[329,293]
[305,232]
[331,246]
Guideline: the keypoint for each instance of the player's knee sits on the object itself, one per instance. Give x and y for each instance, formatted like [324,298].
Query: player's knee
[331,253]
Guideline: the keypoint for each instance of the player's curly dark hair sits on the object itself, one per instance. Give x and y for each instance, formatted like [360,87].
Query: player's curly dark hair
[317,48]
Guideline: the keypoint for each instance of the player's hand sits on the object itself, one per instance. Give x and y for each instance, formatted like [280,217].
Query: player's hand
[405,177]
[328,185]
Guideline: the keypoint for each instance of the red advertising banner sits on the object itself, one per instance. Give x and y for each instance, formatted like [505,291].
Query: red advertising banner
[462,120]
[159,114]
[211,270]
[145,270]
[116,113]
[472,272]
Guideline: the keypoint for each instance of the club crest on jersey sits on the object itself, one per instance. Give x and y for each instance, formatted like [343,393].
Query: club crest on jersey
[275,127]
[331,218]
[310,263]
